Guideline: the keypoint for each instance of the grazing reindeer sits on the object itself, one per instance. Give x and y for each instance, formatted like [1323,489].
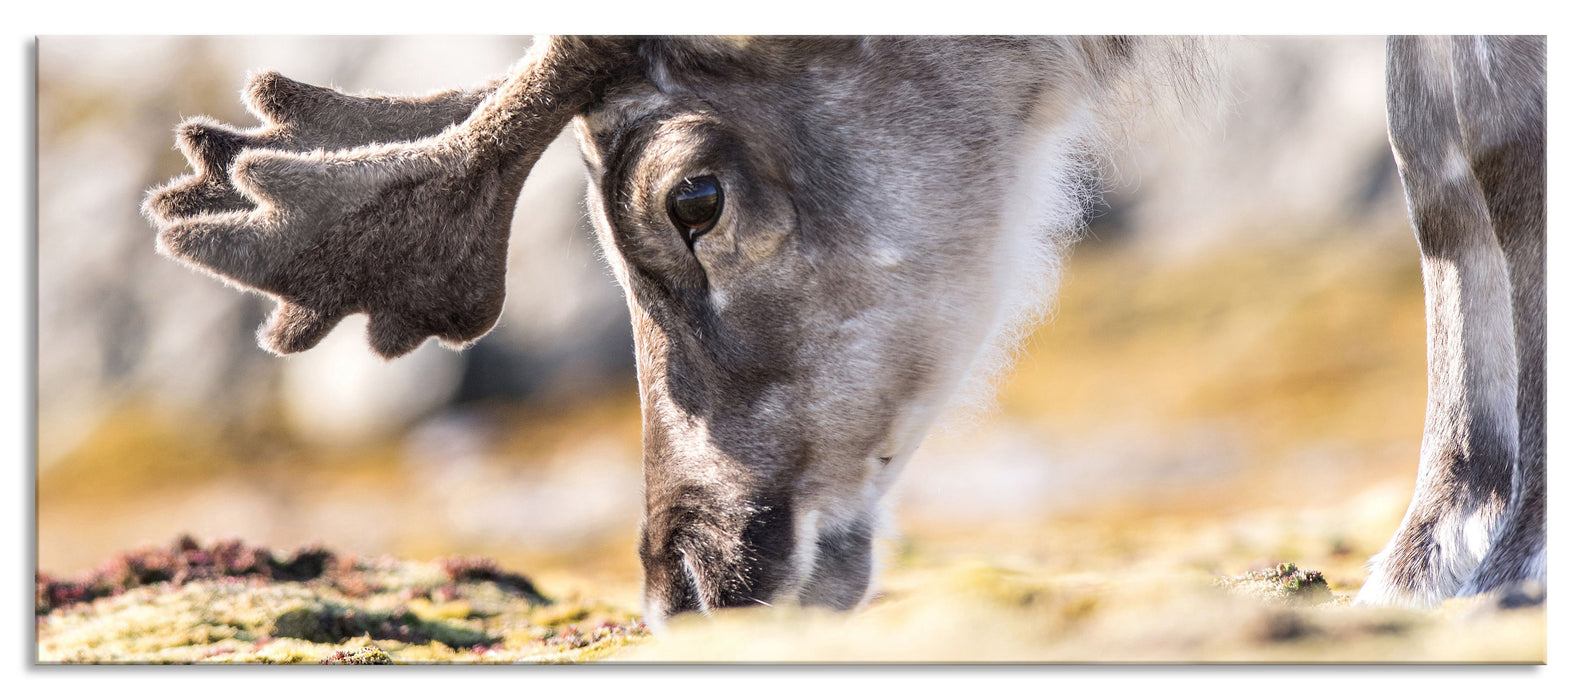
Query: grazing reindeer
[821,240]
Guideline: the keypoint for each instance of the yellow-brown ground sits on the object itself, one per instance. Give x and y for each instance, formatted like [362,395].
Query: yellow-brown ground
[1307,360]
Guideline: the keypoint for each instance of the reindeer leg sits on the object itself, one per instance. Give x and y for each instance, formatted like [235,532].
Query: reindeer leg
[1505,128]
[1470,440]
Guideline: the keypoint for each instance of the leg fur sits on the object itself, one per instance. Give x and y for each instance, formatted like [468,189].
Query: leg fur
[1470,442]
[1506,134]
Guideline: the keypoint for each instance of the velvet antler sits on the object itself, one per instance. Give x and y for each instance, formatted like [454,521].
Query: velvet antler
[411,231]
[296,117]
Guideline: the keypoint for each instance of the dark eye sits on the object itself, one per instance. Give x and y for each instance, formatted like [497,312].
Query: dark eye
[694,206]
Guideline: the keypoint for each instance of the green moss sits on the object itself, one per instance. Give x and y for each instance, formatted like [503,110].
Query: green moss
[449,611]
[366,656]
[1285,582]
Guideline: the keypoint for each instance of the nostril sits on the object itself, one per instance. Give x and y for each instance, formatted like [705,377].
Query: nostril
[693,581]
[676,583]
[702,554]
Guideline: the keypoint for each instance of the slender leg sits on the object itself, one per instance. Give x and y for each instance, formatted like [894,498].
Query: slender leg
[1504,106]
[1470,440]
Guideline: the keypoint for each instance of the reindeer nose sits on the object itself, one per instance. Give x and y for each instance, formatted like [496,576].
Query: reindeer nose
[672,587]
[696,569]
[702,556]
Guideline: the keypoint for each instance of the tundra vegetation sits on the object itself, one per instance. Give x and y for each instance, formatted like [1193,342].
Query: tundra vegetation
[228,602]
[1141,595]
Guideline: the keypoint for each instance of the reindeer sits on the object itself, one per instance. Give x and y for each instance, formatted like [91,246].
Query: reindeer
[822,240]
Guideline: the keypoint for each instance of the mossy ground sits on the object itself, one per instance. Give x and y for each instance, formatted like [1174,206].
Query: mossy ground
[457,610]
[1139,587]
[1285,582]
[1125,588]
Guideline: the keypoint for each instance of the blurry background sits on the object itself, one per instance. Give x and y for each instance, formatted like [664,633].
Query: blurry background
[1242,330]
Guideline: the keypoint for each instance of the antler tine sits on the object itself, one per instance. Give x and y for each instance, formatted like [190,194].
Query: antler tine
[228,245]
[412,232]
[276,99]
[209,146]
[339,120]
[296,117]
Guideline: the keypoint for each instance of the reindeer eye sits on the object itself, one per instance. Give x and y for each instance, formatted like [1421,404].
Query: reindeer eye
[694,206]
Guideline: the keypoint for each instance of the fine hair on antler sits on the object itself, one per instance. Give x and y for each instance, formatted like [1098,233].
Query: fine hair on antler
[296,117]
[399,208]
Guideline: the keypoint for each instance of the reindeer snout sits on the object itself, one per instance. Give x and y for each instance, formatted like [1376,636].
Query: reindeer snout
[700,558]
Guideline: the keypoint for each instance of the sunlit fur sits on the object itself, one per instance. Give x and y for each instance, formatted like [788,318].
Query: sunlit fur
[1467,122]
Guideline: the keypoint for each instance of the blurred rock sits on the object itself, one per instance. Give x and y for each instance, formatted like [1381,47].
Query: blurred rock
[1009,469]
[341,392]
[1299,149]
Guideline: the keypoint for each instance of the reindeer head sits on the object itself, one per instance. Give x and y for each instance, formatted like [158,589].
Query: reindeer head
[817,238]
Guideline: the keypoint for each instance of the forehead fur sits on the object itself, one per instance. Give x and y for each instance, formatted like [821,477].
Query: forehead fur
[1176,70]
[696,67]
